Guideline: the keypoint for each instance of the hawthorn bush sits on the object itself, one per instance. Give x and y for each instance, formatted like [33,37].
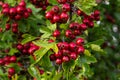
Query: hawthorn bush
[59,40]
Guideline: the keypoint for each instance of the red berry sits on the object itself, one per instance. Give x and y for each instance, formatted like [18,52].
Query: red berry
[79,12]
[11,71]
[79,41]
[26,15]
[49,15]
[6,59]
[29,10]
[91,24]
[58,61]
[50,40]
[5,11]
[65,59]
[70,1]
[8,26]
[58,55]
[20,10]
[83,26]
[32,49]
[18,17]
[56,33]
[85,21]
[22,3]
[41,71]
[14,30]
[62,1]
[5,5]
[56,18]
[96,13]
[20,47]
[77,32]
[66,7]
[55,9]
[72,46]
[13,11]
[52,57]
[80,50]
[14,25]
[64,17]
[13,59]
[65,52]
[68,33]
[73,55]
[2,62]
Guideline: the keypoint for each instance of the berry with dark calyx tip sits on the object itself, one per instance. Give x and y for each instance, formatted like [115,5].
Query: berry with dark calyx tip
[63,45]
[6,59]
[96,13]
[85,21]
[65,52]
[26,15]
[72,46]
[24,51]
[20,47]
[56,18]
[58,55]
[74,25]
[5,5]
[97,18]
[18,17]
[20,10]
[8,26]
[55,9]
[14,30]
[91,24]
[83,27]
[68,33]
[12,11]
[44,7]
[14,25]
[22,3]
[27,46]
[13,59]
[5,11]
[80,49]
[77,32]
[29,10]
[79,41]
[91,17]
[41,71]
[33,49]
[64,17]
[56,33]
[65,59]
[2,62]
[49,15]
[79,12]
[58,61]
[52,57]
[66,7]
[62,1]
[52,21]
[73,56]
[11,71]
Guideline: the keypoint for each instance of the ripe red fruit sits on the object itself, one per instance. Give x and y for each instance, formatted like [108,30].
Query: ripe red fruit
[13,59]
[50,40]
[65,52]
[72,46]
[79,41]
[56,33]
[5,5]
[5,11]
[2,62]
[14,25]
[41,71]
[29,10]
[33,49]
[56,18]
[79,12]
[49,15]
[83,26]
[68,33]
[22,3]
[62,1]
[65,59]
[12,11]
[66,7]
[80,50]
[26,15]
[58,55]
[6,59]
[11,71]
[64,17]
[58,61]
[77,32]
[55,9]
[14,30]
[20,10]
[85,21]
[96,13]
[91,24]
[20,47]
[52,57]
[73,56]
[8,26]
[18,17]
[70,1]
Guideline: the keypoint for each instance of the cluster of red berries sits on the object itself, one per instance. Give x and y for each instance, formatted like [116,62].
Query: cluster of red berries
[68,51]
[57,16]
[40,3]
[28,48]
[7,60]
[18,12]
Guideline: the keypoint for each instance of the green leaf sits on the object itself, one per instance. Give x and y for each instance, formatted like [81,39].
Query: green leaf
[96,48]
[34,72]
[57,76]
[97,42]
[53,2]
[87,52]
[27,38]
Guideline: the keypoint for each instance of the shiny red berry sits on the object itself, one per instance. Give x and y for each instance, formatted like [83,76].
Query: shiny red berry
[56,33]
[66,7]
[13,59]
[58,61]
[79,41]
[11,71]
[65,59]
